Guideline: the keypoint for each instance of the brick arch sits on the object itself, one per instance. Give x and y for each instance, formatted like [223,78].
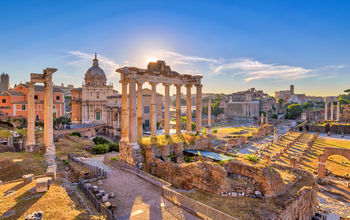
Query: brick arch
[329,151]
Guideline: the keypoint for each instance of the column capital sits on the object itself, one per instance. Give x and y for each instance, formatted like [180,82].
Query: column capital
[140,82]
[124,81]
[189,85]
[30,83]
[178,85]
[153,83]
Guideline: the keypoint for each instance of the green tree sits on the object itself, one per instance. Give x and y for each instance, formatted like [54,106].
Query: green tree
[308,105]
[294,111]
[280,102]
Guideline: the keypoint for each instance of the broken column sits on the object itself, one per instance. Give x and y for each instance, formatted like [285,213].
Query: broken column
[30,118]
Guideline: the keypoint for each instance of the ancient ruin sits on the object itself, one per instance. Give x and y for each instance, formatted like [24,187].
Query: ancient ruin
[156,73]
[329,151]
[46,78]
[330,101]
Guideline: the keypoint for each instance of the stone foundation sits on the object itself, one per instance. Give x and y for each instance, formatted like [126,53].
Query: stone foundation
[131,154]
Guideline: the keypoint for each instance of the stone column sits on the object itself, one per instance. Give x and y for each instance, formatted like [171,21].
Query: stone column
[132,113]
[209,116]
[178,108]
[48,122]
[166,109]
[325,109]
[124,121]
[154,112]
[338,110]
[139,111]
[199,108]
[188,112]
[332,108]
[30,117]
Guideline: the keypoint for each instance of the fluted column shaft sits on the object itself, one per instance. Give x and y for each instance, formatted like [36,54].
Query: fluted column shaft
[31,114]
[209,115]
[199,108]
[166,108]
[188,109]
[338,110]
[48,113]
[124,118]
[139,111]
[178,109]
[332,108]
[325,110]
[154,110]
[132,112]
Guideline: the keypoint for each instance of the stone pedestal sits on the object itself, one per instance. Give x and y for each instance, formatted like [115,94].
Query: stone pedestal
[43,184]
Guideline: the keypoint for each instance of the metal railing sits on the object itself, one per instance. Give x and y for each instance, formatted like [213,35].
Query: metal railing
[99,172]
[97,204]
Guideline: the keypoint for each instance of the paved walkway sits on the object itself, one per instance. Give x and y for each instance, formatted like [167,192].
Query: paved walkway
[137,198]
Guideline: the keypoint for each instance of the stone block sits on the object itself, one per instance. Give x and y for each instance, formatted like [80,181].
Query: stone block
[28,178]
[43,184]
[112,195]
[35,216]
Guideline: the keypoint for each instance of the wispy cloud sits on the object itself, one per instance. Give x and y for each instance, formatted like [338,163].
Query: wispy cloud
[106,63]
[246,68]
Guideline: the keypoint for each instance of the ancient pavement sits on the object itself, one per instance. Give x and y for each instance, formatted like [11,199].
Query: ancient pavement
[137,198]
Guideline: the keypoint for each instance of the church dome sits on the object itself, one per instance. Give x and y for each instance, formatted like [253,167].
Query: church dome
[95,75]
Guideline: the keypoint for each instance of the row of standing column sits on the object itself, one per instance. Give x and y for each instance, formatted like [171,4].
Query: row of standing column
[132,113]
[332,109]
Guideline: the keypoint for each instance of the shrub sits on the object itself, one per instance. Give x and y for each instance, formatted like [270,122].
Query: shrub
[100,140]
[113,147]
[215,131]
[188,159]
[101,148]
[251,157]
[275,116]
[115,158]
[75,133]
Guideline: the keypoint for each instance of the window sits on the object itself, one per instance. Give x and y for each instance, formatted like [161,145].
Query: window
[98,115]
[4,101]
[36,97]
[37,117]
[58,97]
[23,107]
[98,95]
[146,110]
[146,123]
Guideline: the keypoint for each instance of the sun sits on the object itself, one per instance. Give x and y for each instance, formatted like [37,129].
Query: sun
[151,59]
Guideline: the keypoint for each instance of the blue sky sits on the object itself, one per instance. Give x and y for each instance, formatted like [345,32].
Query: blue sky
[236,45]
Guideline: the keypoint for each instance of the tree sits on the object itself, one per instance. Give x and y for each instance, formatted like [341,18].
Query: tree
[308,105]
[344,99]
[280,102]
[215,109]
[294,111]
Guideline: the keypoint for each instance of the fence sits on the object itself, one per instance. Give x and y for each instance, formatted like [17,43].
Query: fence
[96,170]
[97,204]
[193,206]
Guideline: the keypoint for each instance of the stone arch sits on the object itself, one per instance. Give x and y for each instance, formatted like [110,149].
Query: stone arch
[329,151]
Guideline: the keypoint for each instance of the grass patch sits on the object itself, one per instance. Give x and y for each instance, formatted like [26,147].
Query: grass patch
[15,165]
[56,204]
[251,157]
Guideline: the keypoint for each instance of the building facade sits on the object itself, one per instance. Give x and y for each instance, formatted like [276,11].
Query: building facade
[14,102]
[89,102]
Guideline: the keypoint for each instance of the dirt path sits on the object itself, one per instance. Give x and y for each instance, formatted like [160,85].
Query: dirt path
[137,198]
